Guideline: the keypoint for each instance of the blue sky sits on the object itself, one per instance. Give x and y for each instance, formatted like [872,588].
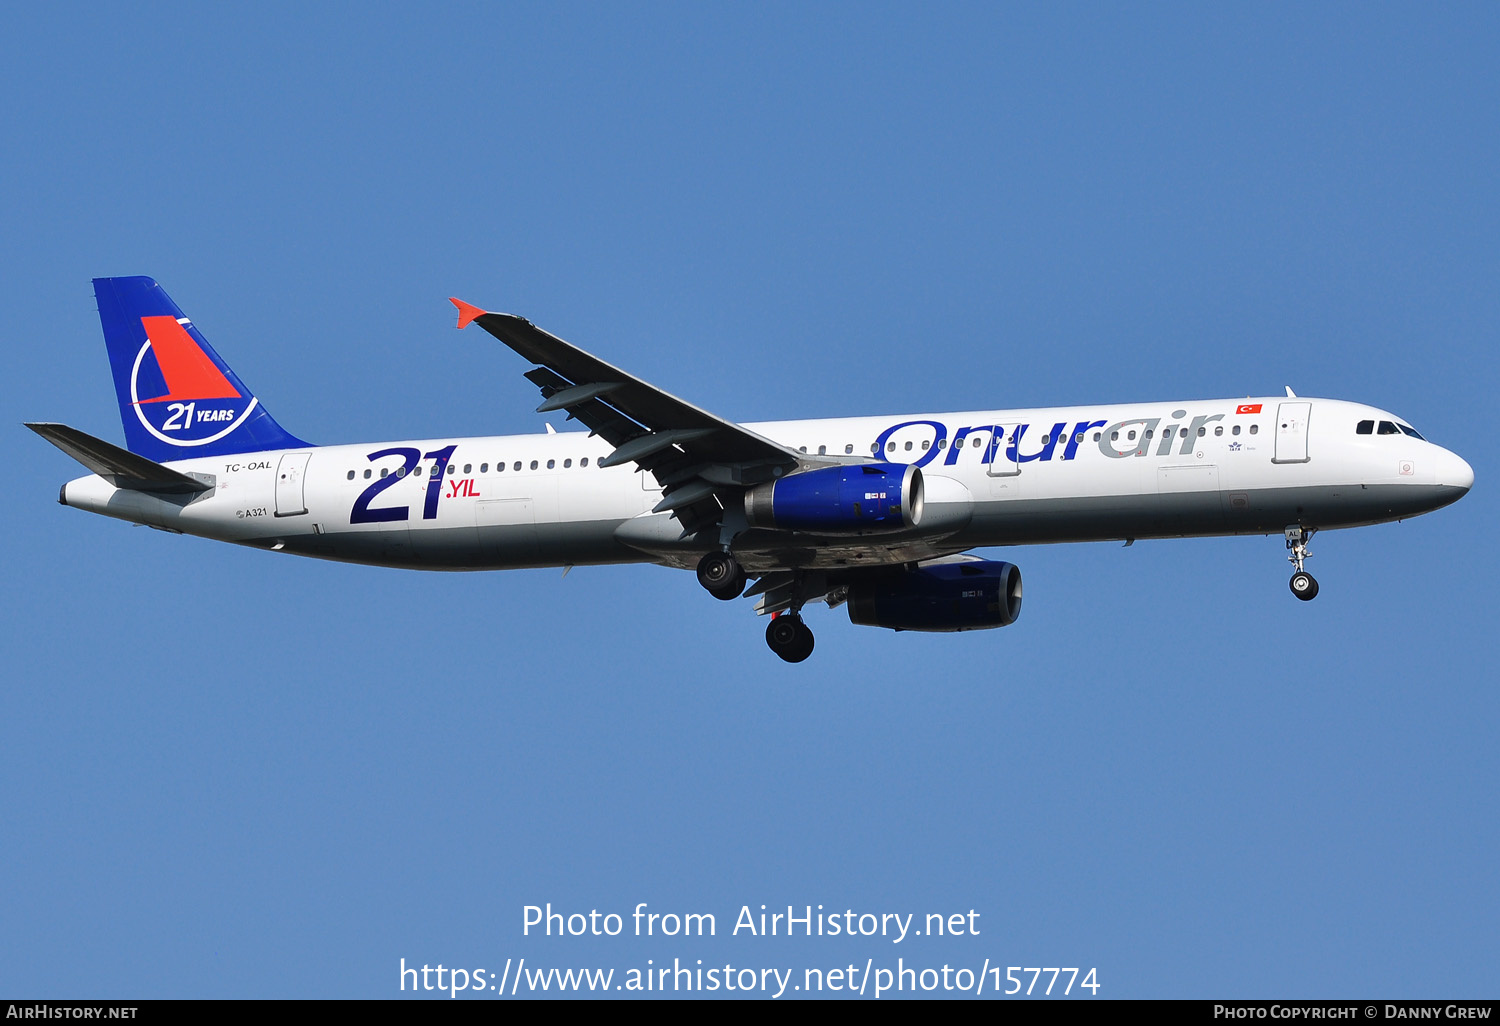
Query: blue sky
[231,774]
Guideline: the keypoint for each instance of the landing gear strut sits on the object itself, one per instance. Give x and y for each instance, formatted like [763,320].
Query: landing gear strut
[721,574]
[1303,584]
[789,637]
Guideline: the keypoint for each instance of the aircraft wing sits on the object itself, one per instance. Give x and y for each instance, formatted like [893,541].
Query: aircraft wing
[693,454]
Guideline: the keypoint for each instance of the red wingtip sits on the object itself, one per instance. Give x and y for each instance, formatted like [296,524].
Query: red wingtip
[466,313]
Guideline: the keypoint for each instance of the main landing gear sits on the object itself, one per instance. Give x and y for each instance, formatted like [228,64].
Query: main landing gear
[1303,584]
[722,577]
[721,574]
[789,637]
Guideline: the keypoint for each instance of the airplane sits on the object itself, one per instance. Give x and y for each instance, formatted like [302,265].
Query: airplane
[878,514]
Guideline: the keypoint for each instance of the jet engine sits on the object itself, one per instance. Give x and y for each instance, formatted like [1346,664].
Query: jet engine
[971,595]
[862,499]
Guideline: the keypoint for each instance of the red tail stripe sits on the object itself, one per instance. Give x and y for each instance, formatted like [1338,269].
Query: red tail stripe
[188,371]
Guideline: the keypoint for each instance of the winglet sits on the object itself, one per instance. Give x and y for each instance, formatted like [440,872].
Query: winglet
[466,313]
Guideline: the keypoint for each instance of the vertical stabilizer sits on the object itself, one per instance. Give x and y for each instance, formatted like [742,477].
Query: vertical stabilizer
[178,399]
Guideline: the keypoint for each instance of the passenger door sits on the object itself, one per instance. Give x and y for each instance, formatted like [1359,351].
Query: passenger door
[1291,432]
[291,473]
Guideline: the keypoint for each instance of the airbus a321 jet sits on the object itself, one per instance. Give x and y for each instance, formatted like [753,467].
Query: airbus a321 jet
[874,513]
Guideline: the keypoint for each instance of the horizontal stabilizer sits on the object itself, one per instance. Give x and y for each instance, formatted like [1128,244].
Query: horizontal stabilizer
[123,468]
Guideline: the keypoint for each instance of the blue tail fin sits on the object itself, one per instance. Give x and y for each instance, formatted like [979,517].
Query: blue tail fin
[177,398]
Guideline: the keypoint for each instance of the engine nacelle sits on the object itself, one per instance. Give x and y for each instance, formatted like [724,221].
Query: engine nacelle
[860,499]
[975,595]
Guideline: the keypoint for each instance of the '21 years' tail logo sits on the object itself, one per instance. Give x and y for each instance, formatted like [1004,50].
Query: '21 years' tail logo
[178,394]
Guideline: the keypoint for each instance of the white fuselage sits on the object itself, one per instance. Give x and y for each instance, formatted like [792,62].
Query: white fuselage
[1074,474]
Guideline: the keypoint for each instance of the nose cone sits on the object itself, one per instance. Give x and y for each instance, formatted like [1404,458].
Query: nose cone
[1455,472]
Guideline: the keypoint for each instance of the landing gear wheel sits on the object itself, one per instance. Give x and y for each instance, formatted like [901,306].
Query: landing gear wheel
[721,574]
[1304,586]
[1302,583]
[789,637]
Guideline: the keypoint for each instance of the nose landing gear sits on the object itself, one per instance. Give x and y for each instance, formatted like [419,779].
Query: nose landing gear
[789,637]
[1303,584]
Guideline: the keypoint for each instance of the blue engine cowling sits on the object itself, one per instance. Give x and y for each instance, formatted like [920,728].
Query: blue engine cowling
[868,497]
[975,595]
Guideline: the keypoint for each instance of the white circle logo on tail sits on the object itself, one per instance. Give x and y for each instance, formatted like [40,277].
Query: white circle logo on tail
[196,403]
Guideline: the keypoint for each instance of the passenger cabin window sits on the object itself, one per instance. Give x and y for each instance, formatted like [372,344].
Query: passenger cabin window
[567,463]
[583,462]
[351,475]
[517,465]
[533,464]
[1387,428]
[1218,431]
[1255,429]
[1365,427]
[1236,430]
[468,467]
[848,449]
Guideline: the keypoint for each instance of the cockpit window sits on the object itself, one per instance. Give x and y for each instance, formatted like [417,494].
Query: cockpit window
[1366,427]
